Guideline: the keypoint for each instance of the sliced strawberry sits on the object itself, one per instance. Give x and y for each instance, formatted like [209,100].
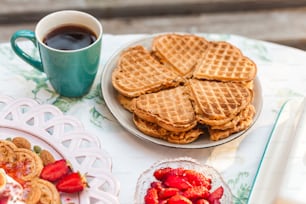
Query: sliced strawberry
[157,185]
[196,192]
[177,182]
[201,201]
[160,174]
[197,179]
[4,199]
[177,171]
[179,199]
[216,195]
[56,170]
[151,197]
[167,193]
[72,183]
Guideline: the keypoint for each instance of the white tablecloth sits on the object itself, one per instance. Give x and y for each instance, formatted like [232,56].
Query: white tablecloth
[281,71]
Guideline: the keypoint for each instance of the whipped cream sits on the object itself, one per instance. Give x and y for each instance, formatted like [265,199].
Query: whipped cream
[10,190]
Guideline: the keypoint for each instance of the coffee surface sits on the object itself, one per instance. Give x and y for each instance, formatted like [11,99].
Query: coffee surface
[70,37]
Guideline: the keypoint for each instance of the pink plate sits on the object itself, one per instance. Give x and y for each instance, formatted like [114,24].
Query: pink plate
[65,137]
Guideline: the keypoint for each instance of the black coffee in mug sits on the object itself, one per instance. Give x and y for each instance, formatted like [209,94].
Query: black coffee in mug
[70,37]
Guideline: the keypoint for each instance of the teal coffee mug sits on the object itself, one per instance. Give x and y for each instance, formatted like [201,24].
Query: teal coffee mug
[69,46]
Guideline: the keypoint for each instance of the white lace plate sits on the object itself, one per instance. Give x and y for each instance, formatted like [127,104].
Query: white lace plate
[65,137]
[124,117]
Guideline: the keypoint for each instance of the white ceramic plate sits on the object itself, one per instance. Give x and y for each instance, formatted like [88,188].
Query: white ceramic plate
[64,137]
[125,118]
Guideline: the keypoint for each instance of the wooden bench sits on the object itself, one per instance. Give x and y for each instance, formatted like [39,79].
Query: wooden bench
[279,21]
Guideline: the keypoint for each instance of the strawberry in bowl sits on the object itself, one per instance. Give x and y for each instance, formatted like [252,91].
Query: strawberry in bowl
[181,181]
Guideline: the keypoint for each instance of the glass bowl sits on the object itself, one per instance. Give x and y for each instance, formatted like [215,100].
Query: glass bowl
[145,179]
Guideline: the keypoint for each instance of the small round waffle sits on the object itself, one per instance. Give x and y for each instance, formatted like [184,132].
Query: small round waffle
[7,151]
[31,163]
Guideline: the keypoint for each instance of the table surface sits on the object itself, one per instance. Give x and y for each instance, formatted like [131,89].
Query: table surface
[281,71]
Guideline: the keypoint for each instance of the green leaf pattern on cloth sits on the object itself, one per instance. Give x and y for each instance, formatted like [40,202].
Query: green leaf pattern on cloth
[242,190]
[92,108]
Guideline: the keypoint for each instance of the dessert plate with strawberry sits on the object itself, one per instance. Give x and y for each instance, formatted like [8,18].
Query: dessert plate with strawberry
[73,161]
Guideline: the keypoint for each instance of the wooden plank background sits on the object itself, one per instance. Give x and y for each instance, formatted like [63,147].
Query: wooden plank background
[279,21]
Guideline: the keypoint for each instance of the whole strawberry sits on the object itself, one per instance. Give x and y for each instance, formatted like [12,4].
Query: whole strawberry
[54,171]
[72,183]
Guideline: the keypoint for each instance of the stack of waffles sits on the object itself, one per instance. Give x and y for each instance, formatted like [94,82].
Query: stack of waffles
[25,166]
[185,87]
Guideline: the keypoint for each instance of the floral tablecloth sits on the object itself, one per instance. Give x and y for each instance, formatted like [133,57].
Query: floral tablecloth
[281,71]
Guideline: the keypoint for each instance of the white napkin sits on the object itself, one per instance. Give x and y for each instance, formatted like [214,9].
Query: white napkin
[293,187]
[281,178]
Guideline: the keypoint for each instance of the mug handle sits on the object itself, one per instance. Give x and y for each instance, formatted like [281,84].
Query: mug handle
[30,35]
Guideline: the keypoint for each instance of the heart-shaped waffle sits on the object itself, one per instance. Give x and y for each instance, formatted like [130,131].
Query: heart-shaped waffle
[182,52]
[244,120]
[218,101]
[157,131]
[224,62]
[138,73]
[170,109]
